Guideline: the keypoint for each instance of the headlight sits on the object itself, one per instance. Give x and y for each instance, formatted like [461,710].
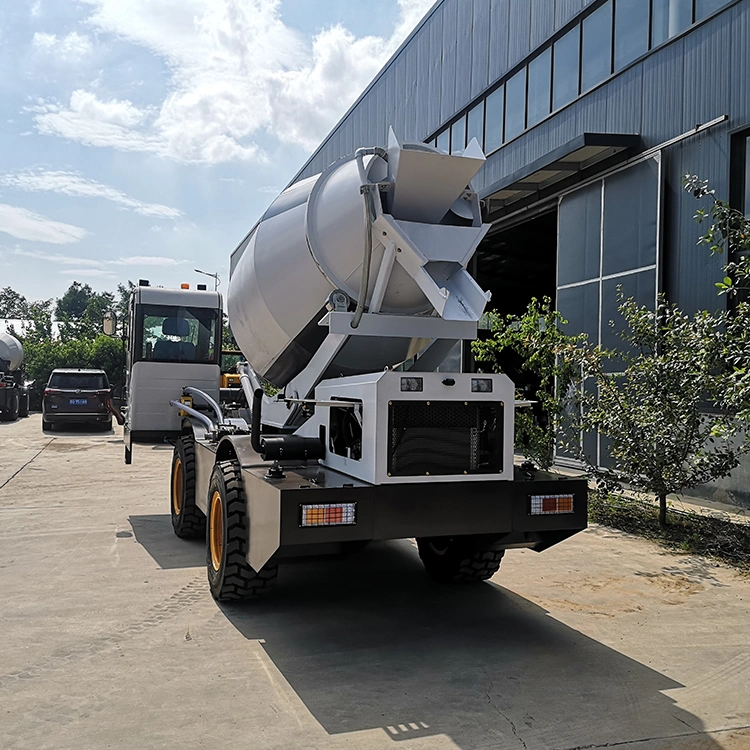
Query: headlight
[411,384]
[481,385]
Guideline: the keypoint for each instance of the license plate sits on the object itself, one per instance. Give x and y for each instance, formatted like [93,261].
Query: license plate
[78,401]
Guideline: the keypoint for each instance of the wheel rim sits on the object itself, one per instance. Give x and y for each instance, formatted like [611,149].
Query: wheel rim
[177,487]
[216,537]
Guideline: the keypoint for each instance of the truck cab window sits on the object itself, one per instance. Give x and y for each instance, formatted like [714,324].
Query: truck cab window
[177,334]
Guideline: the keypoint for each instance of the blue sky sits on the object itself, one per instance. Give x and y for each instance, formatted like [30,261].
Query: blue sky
[143,138]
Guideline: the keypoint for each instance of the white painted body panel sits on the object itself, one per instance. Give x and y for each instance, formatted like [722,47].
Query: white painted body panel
[152,385]
[375,390]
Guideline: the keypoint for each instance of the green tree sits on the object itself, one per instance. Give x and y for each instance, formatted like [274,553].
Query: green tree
[666,403]
[527,348]
[122,305]
[13,304]
[72,305]
[81,310]
[728,230]
[44,355]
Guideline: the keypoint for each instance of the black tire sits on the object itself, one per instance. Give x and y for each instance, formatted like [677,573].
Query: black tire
[23,409]
[460,559]
[46,426]
[107,426]
[230,577]
[11,413]
[188,520]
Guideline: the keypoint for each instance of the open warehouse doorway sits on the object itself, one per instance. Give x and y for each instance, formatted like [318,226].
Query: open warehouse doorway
[519,262]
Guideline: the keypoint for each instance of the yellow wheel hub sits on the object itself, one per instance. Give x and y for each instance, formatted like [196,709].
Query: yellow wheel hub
[216,531]
[177,487]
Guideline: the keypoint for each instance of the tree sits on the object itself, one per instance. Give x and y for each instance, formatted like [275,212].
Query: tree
[122,305]
[13,304]
[729,232]
[81,311]
[667,403]
[72,305]
[527,349]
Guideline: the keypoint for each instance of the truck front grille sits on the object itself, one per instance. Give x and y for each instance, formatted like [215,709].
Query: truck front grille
[444,438]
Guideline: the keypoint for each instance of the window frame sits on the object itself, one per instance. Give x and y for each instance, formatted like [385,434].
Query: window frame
[140,314]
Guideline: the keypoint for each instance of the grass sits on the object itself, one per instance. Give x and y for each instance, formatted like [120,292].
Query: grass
[686,531]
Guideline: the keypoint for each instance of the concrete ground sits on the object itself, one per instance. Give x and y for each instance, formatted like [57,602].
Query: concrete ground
[110,638]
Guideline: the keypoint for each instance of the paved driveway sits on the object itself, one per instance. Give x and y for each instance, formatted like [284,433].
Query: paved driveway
[110,638]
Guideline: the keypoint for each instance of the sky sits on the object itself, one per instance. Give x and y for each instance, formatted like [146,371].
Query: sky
[144,138]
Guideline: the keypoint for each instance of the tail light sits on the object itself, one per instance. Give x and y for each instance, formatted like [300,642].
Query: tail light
[544,505]
[338,514]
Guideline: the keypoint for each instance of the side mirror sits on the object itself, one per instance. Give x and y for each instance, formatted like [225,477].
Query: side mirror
[109,323]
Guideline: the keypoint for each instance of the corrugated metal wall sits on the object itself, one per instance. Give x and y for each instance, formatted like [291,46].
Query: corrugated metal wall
[466,45]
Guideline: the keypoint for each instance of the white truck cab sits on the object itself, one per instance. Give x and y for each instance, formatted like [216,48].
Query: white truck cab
[174,340]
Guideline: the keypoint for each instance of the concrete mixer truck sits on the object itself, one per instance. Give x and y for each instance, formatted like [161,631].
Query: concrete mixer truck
[345,298]
[14,395]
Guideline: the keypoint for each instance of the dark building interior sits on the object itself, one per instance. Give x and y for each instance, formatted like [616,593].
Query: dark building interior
[519,263]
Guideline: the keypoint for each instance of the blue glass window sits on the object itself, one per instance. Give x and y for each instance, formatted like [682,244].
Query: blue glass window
[631,31]
[515,105]
[475,126]
[704,8]
[565,73]
[540,81]
[670,17]
[444,141]
[596,61]
[458,135]
[493,121]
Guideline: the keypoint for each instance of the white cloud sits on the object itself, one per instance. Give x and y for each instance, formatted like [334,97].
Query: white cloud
[27,225]
[236,69]
[74,184]
[146,260]
[67,260]
[92,273]
[92,264]
[69,48]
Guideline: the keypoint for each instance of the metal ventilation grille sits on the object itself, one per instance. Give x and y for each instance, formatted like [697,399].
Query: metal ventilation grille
[444,438]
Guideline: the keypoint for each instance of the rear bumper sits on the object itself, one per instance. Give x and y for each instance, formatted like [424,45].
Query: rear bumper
[58,418]
[498,511]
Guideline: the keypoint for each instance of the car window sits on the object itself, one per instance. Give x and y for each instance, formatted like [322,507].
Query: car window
[91,381]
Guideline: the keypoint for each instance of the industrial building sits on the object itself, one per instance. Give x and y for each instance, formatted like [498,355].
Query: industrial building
[590,112]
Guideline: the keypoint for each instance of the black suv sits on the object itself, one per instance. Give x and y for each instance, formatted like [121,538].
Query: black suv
[75,395]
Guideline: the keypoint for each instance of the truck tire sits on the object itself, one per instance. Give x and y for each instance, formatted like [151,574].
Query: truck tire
[188,520]
[460,559]
[11,412]
[23,410]
[230,577]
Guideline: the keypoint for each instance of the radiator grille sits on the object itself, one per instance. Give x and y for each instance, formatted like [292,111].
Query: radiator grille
[444,438]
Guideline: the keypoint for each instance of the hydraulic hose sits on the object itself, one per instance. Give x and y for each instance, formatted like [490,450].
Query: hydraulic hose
[366,189]
[366,261]
[202,418]
[190,391]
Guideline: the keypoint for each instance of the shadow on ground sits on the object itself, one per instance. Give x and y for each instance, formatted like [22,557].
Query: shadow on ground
[155,534]
[370,642]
